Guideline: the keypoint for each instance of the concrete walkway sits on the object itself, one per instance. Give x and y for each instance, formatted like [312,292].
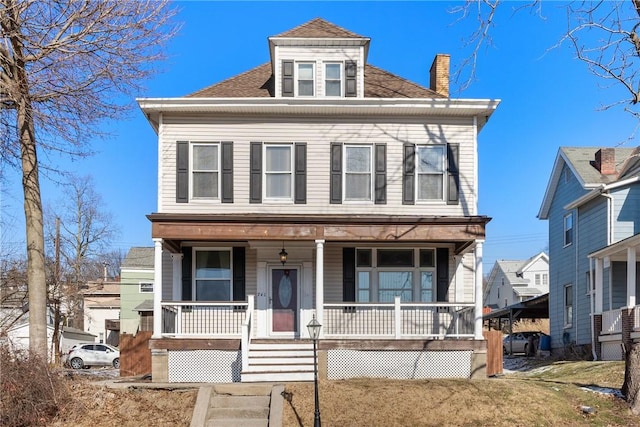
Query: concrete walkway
[241,405]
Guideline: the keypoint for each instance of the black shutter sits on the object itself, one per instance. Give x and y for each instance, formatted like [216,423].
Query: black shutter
[453,174]
[239,289]
[227,172]
[187,258]
[348,274]
[300,173]
[182,172]
[442,274]
[408,174]
[350,78]
[336,173]
[255,178]
[287,78]
[381,174]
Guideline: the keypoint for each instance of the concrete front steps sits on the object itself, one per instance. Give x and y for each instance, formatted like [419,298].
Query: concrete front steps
[279,361]
[238,405]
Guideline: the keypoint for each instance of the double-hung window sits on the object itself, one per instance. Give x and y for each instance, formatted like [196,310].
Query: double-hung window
[357,172]
[205,170]
[568,305]
[305,78]
[568,229]
[278,171]
[212,280]
[333,79]
[430,162]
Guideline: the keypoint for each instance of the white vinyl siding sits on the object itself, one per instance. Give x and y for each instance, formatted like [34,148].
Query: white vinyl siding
[318,134]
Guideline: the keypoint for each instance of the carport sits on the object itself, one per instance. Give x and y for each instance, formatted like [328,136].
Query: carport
[534,308]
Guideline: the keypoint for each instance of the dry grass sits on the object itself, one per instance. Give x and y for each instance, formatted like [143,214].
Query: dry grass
[551,397]
[541,325]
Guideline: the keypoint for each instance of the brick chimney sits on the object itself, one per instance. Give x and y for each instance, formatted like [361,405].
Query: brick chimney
[605,161]
[439,74]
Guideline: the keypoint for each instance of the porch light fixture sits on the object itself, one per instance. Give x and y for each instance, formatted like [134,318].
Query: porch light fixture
[283,255]
[314,332]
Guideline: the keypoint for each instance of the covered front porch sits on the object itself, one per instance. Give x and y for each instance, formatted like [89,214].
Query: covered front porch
[399,291]
[614,288]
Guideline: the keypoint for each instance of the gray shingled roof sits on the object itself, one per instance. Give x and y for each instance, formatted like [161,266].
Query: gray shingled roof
[581,157]
[258,82]
[510,268]
[139,257]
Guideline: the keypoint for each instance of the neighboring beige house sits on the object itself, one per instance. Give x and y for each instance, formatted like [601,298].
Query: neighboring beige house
[511,282]
[102,311]
[136,290]
[317,184]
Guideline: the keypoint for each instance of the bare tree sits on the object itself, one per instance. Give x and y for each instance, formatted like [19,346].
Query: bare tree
[602,34]
[64,67]
[83,230]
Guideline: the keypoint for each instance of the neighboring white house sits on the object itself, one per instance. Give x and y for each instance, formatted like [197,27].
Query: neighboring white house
[18,337]
[102,311]
[318,185]
[511,282]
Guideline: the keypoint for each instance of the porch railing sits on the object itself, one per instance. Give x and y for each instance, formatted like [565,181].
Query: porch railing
[399,320]
[247,328]
[190,318]
[611,322]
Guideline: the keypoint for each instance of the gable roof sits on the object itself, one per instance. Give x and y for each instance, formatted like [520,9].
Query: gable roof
[139,257]
[528,263]
[318,28]
[578,160]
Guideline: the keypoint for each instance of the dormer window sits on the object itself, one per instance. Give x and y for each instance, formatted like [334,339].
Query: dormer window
[305,78]
[333,79]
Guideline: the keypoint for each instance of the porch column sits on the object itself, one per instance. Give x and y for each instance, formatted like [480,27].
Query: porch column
[320,282]
[478,291]
[631,277]
[177,277]
[157,289]
[599,285]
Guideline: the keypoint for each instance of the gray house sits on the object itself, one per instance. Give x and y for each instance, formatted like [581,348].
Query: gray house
[592,203]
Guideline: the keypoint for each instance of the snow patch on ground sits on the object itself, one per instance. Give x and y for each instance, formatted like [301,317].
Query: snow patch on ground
[604,390]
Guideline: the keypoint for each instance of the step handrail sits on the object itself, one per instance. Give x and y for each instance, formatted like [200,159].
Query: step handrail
[247,328]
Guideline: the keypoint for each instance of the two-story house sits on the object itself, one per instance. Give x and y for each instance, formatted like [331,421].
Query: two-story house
[318,185]
[592,203]
[514,281]
[136,290]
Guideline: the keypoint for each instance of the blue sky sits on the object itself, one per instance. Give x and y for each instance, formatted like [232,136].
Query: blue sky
[548,100]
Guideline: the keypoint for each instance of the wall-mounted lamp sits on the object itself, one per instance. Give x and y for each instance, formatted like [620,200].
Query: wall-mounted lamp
[283,255]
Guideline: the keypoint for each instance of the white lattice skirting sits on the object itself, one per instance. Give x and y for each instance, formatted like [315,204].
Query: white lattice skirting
[206,366]
[612,350]
[343,364]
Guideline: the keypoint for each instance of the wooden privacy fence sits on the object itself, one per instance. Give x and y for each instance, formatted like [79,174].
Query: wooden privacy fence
[494,352]
[135,355]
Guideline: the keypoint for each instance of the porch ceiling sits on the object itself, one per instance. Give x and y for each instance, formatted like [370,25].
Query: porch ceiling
[175,228]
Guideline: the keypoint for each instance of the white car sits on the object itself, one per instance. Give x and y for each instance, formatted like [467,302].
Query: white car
[93,354]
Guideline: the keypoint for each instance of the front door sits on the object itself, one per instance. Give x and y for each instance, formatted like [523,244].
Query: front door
[284,300]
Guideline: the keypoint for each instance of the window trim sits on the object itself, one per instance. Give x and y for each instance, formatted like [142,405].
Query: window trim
[297,79]
[443,174]
[145,282]
[345,148]
[416,271]
[194,279]
[567,315]
[291,172]
[192,171]
[567,241]
[341,79]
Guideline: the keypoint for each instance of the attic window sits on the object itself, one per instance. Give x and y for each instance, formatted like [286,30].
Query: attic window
[333,79]
[305,79]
